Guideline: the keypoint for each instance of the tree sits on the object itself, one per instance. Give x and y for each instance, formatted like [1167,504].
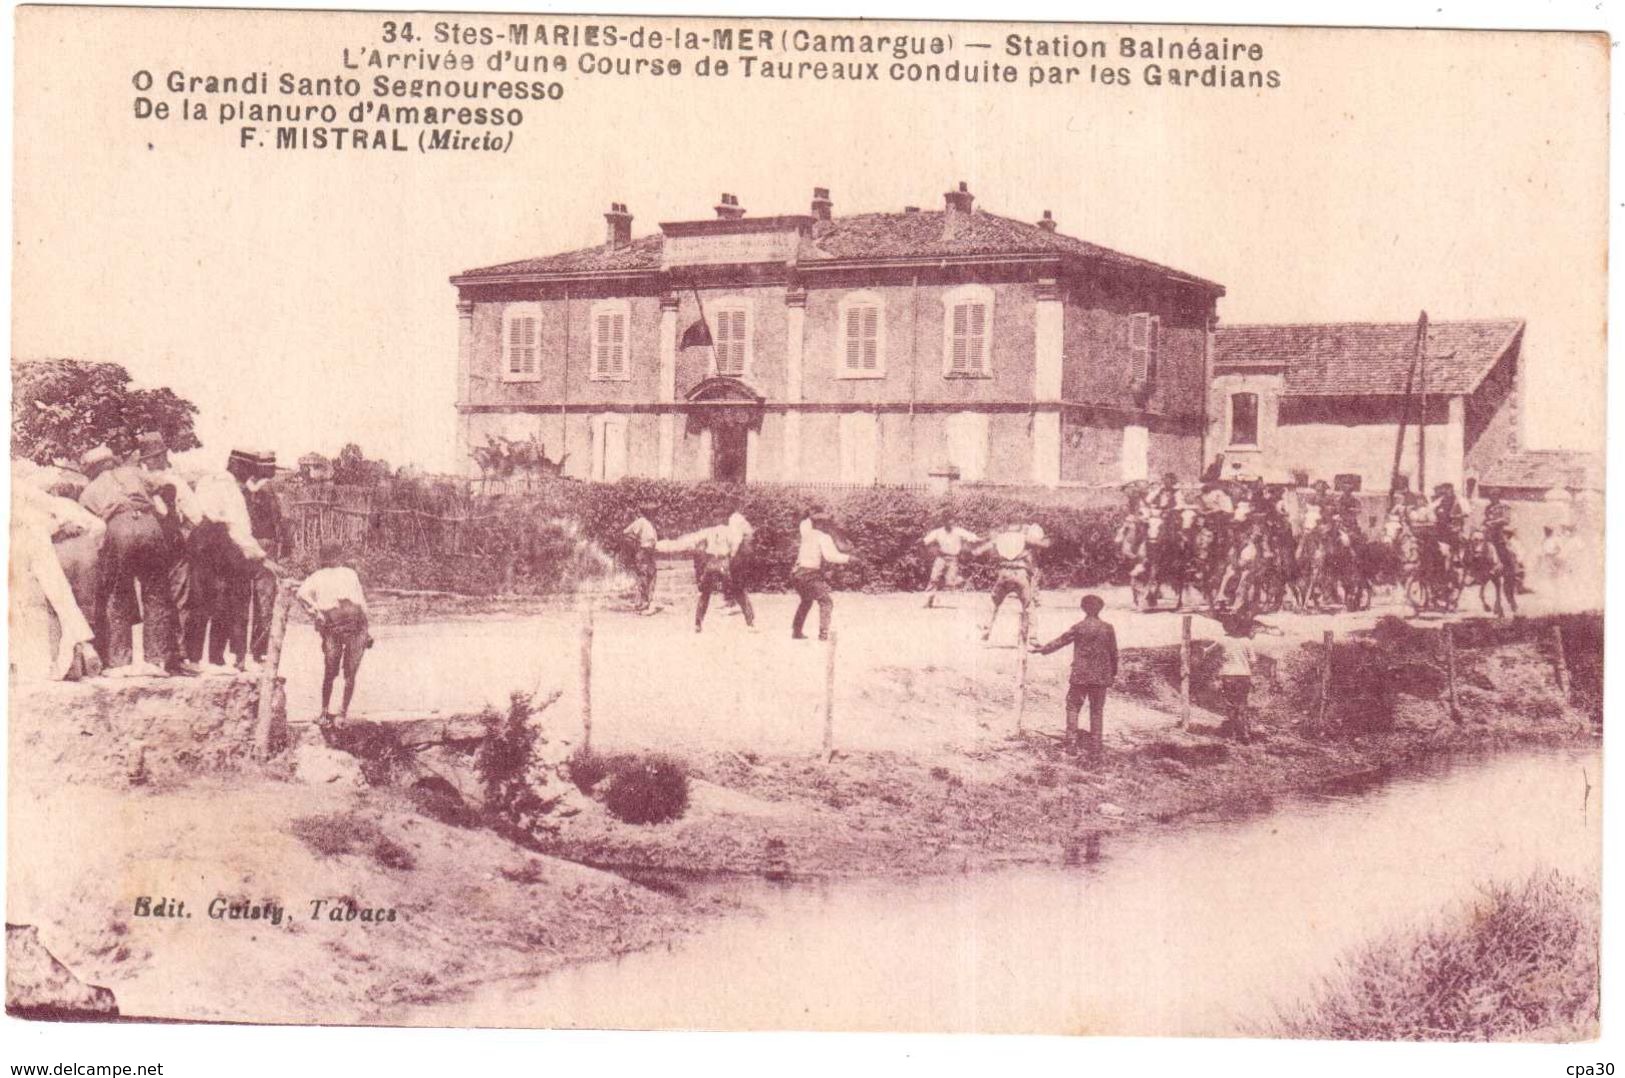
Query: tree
[62,407]
[352,468]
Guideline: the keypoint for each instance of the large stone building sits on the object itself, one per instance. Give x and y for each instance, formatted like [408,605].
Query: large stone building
[870,348]
[1326,401]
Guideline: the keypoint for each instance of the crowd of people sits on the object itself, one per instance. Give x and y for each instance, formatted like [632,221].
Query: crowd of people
[123,539]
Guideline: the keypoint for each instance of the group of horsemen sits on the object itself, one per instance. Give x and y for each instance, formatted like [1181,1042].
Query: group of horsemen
[1234,539]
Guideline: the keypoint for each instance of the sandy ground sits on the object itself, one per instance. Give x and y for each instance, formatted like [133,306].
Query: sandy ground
[659,685]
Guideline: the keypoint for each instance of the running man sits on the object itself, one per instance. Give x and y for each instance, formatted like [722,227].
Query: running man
[810,578]
[1011,546]
[949,541]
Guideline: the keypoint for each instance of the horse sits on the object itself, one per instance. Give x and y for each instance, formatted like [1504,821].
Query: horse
[1162,563]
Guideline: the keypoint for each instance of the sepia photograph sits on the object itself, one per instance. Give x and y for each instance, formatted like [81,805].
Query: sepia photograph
[683,522]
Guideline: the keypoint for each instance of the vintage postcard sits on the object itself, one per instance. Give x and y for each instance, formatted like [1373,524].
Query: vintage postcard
[794,524]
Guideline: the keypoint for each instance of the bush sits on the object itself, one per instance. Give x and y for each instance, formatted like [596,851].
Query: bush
[562,532]
[1520,964]
[647,789]
[588,768]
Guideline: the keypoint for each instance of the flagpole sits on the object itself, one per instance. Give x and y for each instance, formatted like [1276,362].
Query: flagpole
[711,338]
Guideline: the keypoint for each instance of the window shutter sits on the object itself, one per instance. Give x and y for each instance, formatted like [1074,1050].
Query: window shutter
[617,343]
[730,342]
[1139,333]
[1153,348]
[871,334]
[976,348]
[854,339]
[522,345]
[961,353]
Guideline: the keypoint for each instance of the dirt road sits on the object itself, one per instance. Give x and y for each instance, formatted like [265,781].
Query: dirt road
[657,684]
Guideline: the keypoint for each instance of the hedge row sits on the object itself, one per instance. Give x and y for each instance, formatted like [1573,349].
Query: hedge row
[523,542]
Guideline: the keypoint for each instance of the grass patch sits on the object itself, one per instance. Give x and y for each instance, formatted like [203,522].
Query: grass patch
[345,833]
[1520,963]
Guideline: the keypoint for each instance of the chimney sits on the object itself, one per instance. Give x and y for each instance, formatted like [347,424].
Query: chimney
[960,201]
[618,232]
[821,205]
[729,208]
[1047,223]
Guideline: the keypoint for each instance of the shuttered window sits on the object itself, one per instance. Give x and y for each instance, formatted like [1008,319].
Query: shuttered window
[1145,346]
[732,341]
[862,336]
[609,340]
[967,332]
[521,343]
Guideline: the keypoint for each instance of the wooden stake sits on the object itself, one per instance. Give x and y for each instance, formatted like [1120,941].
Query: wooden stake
[1562,664]
[1021,684]
[1450,670]
[586,676]
[1325,674]
[1184,671]
[265,723]
[829,695]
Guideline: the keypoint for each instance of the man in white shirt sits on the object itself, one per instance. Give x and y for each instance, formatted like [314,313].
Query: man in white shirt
[816,550]
[1014,547]
[336,602]
[223,556]
[642,536]
[714,572]
[949,540]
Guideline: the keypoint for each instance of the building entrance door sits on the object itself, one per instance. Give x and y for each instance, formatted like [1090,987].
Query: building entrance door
[728,456]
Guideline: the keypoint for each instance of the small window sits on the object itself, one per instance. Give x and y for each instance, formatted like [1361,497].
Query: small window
[609,341]
[967,332]
[1145,347]
[862,336]
[1244,419]
[731,339]
[521,342]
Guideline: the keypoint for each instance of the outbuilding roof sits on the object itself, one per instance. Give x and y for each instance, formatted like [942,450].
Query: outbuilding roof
[1368,358]
[862,237]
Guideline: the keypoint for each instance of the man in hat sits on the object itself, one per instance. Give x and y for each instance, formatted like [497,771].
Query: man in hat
[1094,668]
[137,557]
[265,524]
[224,557]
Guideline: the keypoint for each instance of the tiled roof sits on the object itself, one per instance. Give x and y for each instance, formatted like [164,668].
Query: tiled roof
[863,237]
[1367,358]
[1544,469]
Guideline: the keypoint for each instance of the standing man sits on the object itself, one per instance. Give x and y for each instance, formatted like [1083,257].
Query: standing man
[1094,668]
[743,541]
[223,555]
[265,524]
[136,557]
[714,550]
[949,540]
[641,536]
[810,577]
[1237,658]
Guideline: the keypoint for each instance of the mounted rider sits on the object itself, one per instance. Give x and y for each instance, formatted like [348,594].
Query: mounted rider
[1498,533]
[1166,497]
[1448,517]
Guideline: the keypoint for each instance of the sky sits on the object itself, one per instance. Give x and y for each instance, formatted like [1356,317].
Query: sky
[302,301]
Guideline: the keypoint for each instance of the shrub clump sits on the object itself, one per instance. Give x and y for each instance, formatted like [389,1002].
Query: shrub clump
[649,788]
[1521,963]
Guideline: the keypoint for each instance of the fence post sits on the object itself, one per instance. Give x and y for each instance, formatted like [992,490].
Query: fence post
[1450,669]
[1325,676]
[1021,684]
[265,719]
[829,695]
[1562,661]
[1184,671]
[586,677]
